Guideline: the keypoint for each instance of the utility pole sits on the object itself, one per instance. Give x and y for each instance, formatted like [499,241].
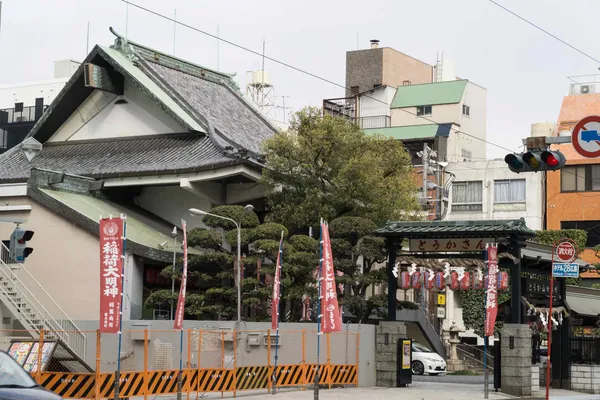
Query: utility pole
[425,159]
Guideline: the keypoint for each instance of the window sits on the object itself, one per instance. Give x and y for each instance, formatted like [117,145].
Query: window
[18,107]
[580,178]
[466,110]
[424,110]
[3,139]
[591,227]
[509,195]
[466,154]
[467,196]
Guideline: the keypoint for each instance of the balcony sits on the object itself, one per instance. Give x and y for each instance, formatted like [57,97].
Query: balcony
[375,121]
[21,115]
[344,107]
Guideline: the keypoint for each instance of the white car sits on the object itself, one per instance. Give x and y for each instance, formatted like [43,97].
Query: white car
[426,361]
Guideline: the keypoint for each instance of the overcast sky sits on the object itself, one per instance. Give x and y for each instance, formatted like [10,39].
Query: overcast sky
[524,70]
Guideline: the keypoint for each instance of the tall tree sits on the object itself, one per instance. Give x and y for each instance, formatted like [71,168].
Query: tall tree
[328,168]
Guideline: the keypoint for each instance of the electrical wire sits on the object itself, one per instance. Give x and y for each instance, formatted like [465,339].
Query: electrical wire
[545,31]
[303,71]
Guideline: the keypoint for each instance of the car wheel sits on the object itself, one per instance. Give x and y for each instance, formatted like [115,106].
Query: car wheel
[417,368]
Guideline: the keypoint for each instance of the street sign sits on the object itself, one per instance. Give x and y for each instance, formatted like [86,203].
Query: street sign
[565,270]
[441,299]
[565,252]
[586,137]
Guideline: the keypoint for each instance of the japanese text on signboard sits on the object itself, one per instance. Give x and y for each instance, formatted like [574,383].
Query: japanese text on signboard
[457,244]
[111,269]
[181,299]
[491,291]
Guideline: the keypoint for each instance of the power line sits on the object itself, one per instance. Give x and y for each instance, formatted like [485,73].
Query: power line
[218,38]
[545,31]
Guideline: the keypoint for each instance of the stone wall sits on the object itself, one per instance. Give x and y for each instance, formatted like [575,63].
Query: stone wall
[585,378]
[535,378]
[516,362]
[386,353]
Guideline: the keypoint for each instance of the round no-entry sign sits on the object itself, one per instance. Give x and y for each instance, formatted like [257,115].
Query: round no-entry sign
[565,252]
[586,137]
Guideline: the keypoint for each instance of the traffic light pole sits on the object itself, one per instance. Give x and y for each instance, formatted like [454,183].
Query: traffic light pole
[551,140]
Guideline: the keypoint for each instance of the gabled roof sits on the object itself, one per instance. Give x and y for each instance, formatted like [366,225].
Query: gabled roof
[104,158]
[429,94]
[224,128]
[443,229]
[412,132]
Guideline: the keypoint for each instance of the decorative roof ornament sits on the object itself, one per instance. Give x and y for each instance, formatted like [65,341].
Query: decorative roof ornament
[123,46]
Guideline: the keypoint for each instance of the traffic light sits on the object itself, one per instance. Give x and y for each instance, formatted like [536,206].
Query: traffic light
[534,161]
[18,244]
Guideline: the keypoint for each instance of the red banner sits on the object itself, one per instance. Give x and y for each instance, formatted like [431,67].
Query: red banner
[277,289]
[111,273]
[491,291]
[331,320]
[179,314]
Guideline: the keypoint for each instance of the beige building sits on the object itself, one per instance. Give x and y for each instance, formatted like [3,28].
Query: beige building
[155,136]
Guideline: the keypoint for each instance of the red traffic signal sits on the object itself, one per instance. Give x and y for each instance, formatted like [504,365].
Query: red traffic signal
[534,161]
[554,160]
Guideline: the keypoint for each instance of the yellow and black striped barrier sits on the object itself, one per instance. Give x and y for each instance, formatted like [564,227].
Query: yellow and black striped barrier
[139,383]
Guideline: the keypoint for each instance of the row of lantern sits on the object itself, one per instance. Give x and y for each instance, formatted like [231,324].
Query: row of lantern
[417,280]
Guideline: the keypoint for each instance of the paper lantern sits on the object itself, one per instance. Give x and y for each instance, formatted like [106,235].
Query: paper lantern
[405,280]
[453,281]
[415,280]
[477,283]
[502,280]
[465,282]
[429,280]
[440,281]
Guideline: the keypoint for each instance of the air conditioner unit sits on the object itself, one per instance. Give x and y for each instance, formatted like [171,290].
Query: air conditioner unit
[585,89]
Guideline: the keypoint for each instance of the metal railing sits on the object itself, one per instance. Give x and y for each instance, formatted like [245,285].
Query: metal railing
[39,311]
[473,362]
[585,350]
[375,121]
[12,116]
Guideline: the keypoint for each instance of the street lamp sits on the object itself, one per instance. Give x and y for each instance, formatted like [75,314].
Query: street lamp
[238,224]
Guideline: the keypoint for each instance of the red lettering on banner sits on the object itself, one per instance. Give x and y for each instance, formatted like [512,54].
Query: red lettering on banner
[331,320]
[276,289]
[491,291]
[111,270]
[179,314]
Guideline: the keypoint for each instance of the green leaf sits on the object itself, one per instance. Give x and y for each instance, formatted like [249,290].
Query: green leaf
[270,230]
[236,213]
[247,236]
[304,243]
[204,238]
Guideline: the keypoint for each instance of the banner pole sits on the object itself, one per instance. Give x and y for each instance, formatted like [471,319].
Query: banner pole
[316,386]
[278,281]
[120,332]
[485,338]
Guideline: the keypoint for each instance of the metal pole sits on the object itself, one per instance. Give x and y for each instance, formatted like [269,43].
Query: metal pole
[548,363]
[120,332]
[425,168]
[316,386]
[180,374]
[239,272]
[173,276]
[485,338]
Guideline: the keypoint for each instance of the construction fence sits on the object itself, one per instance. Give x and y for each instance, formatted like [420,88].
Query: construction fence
[195,362]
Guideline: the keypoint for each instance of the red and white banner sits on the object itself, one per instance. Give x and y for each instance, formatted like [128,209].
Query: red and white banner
[331,320]
[179,314]
[491,291]
[276,289]
[111,273]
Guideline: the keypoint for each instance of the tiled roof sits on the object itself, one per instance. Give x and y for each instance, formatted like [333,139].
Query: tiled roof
[449,228]
[413,131]
[234,122]
[429,94]
[112,157]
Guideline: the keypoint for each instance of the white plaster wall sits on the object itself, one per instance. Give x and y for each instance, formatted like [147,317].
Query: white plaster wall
[376,103]
[488,171]
[474,125]
[172,203]
[98,117]
[134,288]
[27,92]
[442,114]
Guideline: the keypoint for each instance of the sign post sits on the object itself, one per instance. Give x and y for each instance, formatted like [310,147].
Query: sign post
[563,250]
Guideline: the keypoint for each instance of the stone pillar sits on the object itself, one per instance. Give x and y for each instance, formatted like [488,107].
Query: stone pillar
[386,354]
[516,361]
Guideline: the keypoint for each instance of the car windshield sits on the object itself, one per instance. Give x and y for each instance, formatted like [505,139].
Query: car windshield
[420,348]
[12,375]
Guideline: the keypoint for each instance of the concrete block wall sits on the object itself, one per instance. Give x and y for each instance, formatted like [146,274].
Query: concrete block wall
[535,378]
[585,378]
[386,356]
[163,346]
[516,362]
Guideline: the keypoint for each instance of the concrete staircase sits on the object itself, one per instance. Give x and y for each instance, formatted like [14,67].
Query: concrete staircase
[429,331]
[34,308]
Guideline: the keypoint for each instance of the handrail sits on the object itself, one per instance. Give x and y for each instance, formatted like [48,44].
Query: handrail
[467,355]
[37,305]
[22,268]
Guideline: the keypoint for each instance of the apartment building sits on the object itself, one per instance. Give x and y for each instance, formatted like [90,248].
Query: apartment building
[573,193]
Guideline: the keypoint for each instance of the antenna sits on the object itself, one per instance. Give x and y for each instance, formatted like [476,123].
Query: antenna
[174,28]
[218,41]
[283,107]
[126,20]
[262,102]
[357,41]
[87,45]
[0,17]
